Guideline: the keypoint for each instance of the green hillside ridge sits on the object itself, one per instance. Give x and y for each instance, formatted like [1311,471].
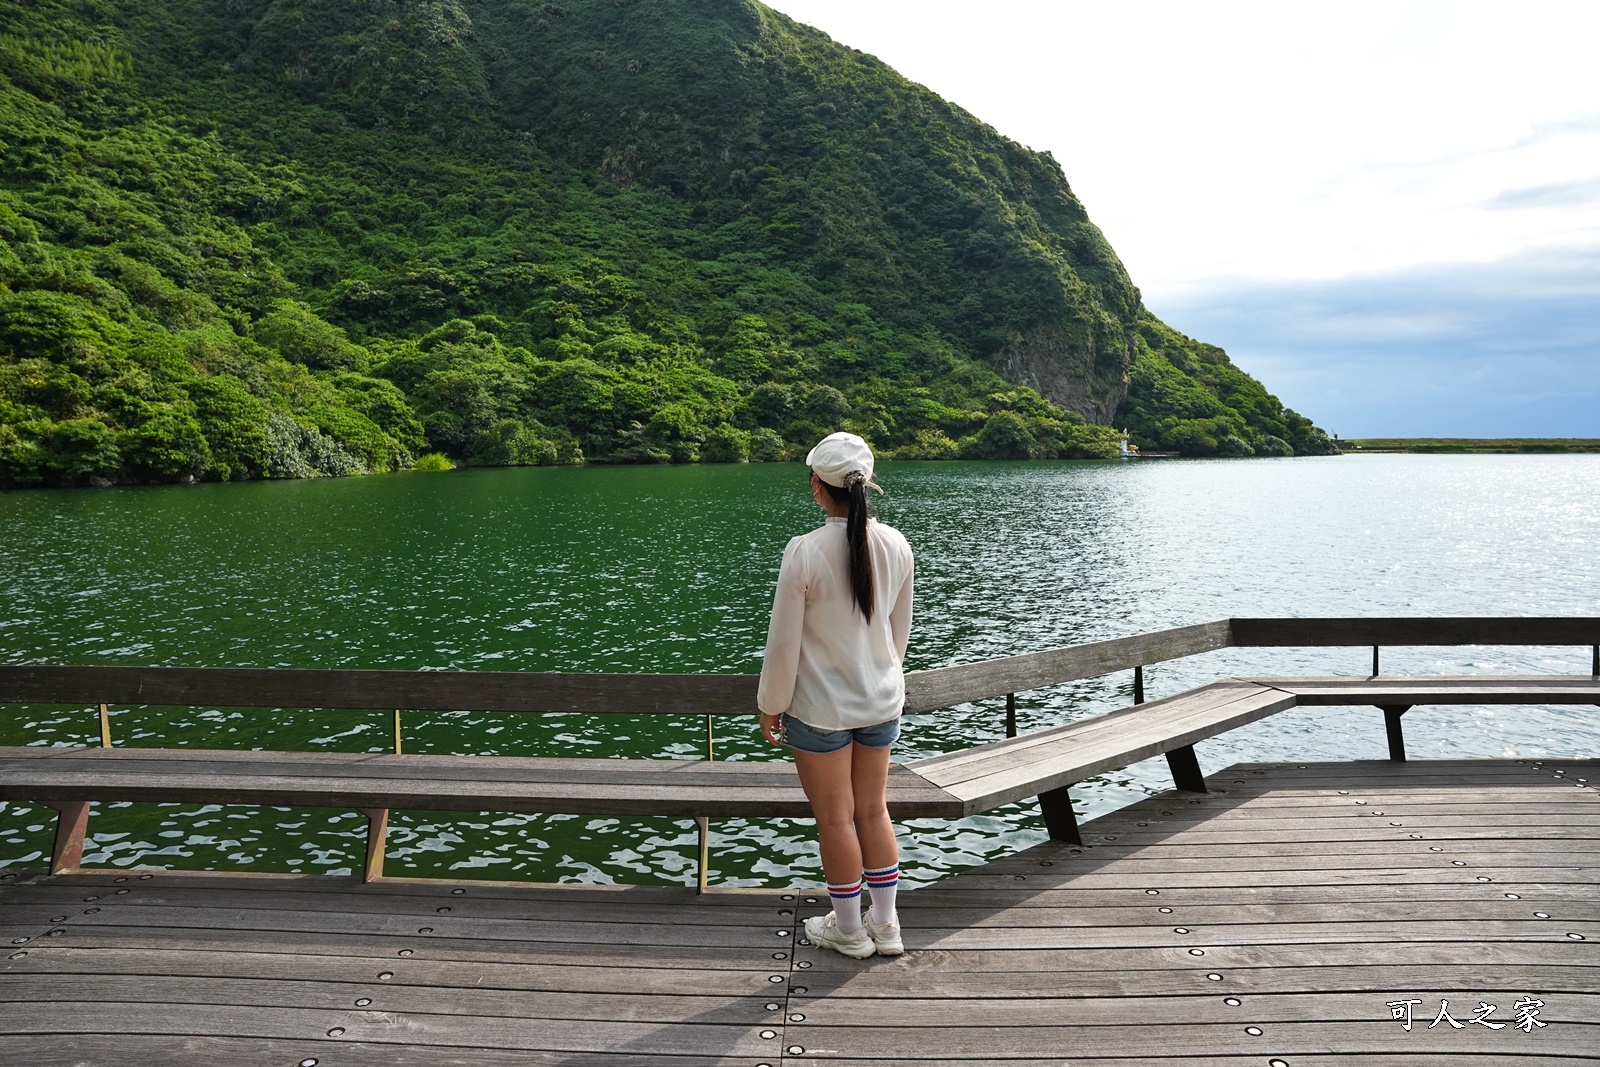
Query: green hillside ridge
[1490,445]
[280,238]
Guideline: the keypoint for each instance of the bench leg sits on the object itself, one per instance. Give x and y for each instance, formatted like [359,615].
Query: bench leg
[1056,806]
[72,823]
[377,830]
[702,876]
[1391,726]
[1185,769]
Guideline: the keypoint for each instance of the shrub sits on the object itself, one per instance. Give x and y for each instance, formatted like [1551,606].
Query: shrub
[81,448]
[1234,447]
[301,336]
[297,451]
[725,444]
[433,461]
[766,446]
[1274,446]
[1004,436]
[510,443]
[165,446]
[929,444]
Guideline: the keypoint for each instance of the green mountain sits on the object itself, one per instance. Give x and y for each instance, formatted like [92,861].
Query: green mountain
[277,238]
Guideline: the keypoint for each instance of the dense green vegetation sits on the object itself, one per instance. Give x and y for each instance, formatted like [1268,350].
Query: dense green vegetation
[278,238]
[1474,444]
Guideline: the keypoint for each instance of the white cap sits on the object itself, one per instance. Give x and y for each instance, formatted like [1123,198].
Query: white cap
[839,454]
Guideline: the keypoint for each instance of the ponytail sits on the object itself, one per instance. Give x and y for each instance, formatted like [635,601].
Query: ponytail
[855,533]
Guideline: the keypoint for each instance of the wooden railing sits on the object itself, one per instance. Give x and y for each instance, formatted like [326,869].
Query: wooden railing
[714,695]
[734,694]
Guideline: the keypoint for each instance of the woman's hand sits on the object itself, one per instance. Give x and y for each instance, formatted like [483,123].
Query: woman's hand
[769,728]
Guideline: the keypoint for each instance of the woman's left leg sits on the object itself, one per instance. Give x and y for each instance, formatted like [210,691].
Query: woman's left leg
[869,786]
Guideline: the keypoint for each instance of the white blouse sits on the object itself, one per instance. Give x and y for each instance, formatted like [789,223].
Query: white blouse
[825,664]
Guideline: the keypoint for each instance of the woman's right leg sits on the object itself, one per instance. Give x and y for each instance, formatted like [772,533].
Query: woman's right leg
[826,779]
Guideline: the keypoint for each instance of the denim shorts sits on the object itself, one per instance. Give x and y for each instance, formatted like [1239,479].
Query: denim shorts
[807,738]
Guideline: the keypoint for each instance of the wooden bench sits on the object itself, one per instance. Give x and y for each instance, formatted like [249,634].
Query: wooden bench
[1046,762]
[69,779]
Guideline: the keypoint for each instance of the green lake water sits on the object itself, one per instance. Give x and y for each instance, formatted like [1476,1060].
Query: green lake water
[670,569]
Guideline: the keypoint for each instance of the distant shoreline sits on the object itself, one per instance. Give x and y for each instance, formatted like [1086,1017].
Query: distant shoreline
[1481,445]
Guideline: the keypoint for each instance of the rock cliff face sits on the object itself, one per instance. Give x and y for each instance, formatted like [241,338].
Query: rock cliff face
[1091,383]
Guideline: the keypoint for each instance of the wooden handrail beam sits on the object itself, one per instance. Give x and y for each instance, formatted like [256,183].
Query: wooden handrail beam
[1335,633]
[734,694]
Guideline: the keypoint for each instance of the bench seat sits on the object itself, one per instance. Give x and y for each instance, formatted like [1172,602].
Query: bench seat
[1002,772]
[673,788]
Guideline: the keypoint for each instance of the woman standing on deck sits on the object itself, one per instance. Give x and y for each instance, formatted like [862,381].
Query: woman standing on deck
[832,687]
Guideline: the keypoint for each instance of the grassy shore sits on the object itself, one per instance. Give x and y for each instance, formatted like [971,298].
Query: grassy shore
[1473,444]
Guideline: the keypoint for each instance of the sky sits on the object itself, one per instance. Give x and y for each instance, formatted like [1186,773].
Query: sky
[1388,212]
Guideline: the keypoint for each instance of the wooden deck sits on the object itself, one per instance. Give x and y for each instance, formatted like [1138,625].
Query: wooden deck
[1303,899]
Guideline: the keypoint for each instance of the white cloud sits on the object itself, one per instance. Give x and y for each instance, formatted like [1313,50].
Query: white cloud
[1503,349]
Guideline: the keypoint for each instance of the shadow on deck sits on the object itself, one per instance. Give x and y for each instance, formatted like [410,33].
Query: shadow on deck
[1269,922]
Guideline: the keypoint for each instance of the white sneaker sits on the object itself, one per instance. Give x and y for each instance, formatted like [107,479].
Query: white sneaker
[885,938]
[823,930]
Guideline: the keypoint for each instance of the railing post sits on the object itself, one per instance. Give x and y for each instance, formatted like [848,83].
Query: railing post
[702,876]
[72,823]
[1056,807]
[1595,670]
[1138,684]
[377,831]
[105,727]
[397,751]
[1374,661]
[1011,715]
[1391,726]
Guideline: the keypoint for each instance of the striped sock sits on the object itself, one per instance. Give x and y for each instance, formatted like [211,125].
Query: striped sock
[846,905]
[882,884]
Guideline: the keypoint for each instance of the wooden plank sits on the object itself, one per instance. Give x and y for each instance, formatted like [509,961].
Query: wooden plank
[528,691]
[930,963]
[1325,633]
[1201,699]
[244,921]
[1538,894]
[1314,692]
[161,1050]
[1134,1038]
[387,946]
[893,983]
[927,916]
[679,899]
[614,787]
[1168,880]
[1074,763]
[964,683]
[1205,938]
[729,915]
[295,992]
[938,1013]
[575,978]
[469,1031]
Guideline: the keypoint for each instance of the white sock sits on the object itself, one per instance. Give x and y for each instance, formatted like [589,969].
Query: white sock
[883,883]
[846,905]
